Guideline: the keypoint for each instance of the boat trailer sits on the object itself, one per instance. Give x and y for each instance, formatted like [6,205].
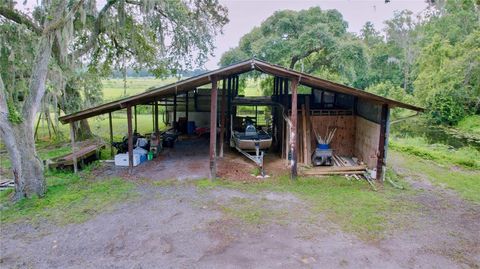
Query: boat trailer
[257,158]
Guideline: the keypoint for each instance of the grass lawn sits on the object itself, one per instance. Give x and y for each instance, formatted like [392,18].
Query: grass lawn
[465,182]
[470,124]
[351,204]
[70,198]
[99,125]
[113,88]
[466,157]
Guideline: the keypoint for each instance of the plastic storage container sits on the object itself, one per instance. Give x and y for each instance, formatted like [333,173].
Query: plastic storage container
[190,127]
[323,146]
[122,159]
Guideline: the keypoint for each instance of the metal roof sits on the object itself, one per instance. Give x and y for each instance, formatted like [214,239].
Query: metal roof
[224,72]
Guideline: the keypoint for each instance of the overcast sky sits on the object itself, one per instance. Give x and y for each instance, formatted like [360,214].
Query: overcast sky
[245,14]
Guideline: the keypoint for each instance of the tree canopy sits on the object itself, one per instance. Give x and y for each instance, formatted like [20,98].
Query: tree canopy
[430,59]
[59,51]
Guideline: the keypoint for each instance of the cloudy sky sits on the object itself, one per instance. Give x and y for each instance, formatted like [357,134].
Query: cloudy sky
[245,14]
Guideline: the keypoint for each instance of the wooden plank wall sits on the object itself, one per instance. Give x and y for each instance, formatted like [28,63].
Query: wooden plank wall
[343,142]
[367,139]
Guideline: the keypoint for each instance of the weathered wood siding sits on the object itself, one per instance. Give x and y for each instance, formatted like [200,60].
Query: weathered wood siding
[367,137]
[343,142]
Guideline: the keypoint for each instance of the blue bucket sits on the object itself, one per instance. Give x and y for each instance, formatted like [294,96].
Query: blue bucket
[323,146]
[190,127]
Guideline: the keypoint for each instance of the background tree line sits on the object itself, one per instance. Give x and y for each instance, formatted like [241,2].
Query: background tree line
[432,60]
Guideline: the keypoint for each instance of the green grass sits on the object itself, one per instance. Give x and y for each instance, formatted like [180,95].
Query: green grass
[251,211]
[465,182]
[252,88]
[470,124]
[351,204]
[45,150]
[100,126]
[69,199]
[467,157]
[113,88]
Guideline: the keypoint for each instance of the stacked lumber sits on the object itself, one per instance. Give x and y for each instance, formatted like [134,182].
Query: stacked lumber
[342,166]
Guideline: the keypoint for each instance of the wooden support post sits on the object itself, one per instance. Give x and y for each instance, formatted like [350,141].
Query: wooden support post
[174,122]
[293,130]
[110,123]
[229,105]
[135,114]
[381,146]
[72,139]
[222,130]
[236,85]
[153,118]
[282,120]
[130,138]
[186,107]
[309,128]
[156,115]
[304,135]
[275,84]
[213,129]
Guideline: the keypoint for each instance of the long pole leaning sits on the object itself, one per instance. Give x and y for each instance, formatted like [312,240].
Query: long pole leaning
[293,130]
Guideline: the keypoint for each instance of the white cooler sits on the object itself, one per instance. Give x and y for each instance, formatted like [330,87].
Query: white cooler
[122,159]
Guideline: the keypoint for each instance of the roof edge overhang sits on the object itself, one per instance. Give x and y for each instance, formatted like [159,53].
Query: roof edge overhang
[224,72]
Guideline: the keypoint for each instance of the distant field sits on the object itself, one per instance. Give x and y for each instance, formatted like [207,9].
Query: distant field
[99,126]
[113,88]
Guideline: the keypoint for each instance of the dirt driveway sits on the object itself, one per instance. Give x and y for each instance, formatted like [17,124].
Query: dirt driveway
[178,224]
[183,226]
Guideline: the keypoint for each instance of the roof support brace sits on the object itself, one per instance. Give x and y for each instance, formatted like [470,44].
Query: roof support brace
[213,129]
[382,144]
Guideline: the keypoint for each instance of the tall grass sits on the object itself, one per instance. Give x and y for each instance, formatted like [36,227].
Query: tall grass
[467,157]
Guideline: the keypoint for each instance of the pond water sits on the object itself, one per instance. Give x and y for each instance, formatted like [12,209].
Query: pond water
[418,127]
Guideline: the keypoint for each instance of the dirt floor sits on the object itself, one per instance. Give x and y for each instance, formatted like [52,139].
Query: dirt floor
[189,159]
[180,225]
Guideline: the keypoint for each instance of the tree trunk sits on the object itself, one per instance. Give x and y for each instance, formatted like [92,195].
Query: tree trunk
[19,139]
[82,130]
[71,103]
[27,168]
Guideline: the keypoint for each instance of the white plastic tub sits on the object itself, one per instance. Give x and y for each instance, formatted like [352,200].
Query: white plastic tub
[122,159]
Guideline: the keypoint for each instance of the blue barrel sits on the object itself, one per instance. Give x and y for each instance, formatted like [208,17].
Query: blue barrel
[323,146]
[190,127]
